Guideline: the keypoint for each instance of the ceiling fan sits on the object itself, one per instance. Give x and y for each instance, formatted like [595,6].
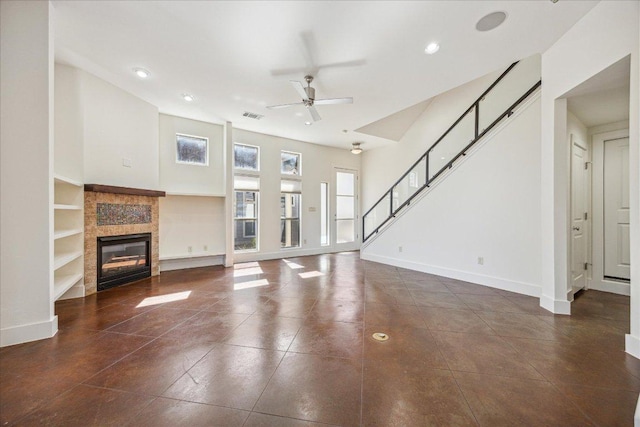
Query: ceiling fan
[309,100]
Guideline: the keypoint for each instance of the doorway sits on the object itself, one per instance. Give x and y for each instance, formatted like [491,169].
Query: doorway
[611,247]
[345,232]
[580,187]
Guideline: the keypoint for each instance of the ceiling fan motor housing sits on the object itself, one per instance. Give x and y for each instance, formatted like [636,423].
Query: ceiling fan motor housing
[311,94]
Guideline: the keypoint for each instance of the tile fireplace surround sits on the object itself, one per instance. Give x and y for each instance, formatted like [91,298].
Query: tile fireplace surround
[124,211]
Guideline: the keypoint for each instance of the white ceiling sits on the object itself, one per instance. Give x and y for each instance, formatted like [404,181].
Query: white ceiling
[604,98]
[236,56]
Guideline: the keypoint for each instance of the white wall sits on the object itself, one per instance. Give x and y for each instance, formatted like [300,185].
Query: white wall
[190,221]
[68,154]
[26,134]
[606,34]
[483,208]
[178,178]
[117,126]
[318,164]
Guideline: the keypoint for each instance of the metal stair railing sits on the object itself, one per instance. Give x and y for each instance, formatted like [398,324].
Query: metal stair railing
[482,116]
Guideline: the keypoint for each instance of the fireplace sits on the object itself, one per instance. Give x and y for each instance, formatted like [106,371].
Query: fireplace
[123,259]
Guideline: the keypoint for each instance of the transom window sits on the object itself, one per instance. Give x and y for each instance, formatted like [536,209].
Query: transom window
[246,157]
[192,150]
[290,163]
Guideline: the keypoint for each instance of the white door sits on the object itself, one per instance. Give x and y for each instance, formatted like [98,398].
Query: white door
[616,209]
[346,231]
[579,214]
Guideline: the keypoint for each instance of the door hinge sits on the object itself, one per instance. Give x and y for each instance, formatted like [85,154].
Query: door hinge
[586,266]
[586,216]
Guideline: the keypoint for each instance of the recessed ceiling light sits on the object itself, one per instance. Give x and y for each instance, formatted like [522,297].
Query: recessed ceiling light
[432,48]
[298,114]
[307,123]
[188,97]
[491,21]
[141,72]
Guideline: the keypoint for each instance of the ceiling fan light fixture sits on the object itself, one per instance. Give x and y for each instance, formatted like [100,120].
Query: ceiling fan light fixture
[355,148]
[432,48]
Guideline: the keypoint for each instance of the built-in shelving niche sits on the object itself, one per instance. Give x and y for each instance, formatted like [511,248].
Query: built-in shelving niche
[68,238]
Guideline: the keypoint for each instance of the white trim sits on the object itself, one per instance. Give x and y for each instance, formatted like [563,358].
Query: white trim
[29,332]
[598,281]
[620,288]
[480,279]
[181,263]
[636,417]
[632,345]
[289,253]
[555,306]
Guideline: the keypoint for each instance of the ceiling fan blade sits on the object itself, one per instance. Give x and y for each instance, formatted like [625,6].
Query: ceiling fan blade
[299,87]
[314,113]
[275,107]
[331,101]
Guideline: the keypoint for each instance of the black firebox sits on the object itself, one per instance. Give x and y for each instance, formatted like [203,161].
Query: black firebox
[123,259]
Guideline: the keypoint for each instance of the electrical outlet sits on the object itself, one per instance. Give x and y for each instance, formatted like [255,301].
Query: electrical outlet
[304,242]
[481,260]
[189,249]
[399,248]
[206,248]
[126,162]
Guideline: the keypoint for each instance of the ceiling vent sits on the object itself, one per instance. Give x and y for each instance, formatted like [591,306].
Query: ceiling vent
[252,115]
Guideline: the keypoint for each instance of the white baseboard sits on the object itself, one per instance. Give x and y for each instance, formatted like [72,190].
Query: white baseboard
[614,287]
[632,345]
[30,332]
[480,279]
[636,418]
[195,262]
[240,257]
[555,306]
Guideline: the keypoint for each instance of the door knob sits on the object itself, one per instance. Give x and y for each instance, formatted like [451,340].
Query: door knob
[575,228]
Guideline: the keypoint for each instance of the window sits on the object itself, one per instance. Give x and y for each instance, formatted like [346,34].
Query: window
[246,157]
[324,214]
[290,213]
[246,213]
[290,163]
[192,150]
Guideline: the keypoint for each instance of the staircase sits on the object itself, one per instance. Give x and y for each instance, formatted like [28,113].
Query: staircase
[496,104]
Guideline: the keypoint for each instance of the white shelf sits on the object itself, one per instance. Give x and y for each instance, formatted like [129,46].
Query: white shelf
[60,234]
[67,207]
[61,260]
[188,255]
[59,179]
[63,283]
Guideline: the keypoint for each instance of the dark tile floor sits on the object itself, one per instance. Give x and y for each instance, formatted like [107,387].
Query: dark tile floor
[288,343]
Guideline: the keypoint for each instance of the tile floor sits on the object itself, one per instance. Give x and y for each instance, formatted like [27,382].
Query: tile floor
[288,343]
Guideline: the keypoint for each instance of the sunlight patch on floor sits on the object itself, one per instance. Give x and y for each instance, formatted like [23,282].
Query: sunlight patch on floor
[250,284]
[309,274]
[161,299]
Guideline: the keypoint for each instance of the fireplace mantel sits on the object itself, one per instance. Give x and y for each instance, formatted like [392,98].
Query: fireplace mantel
[100,188]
